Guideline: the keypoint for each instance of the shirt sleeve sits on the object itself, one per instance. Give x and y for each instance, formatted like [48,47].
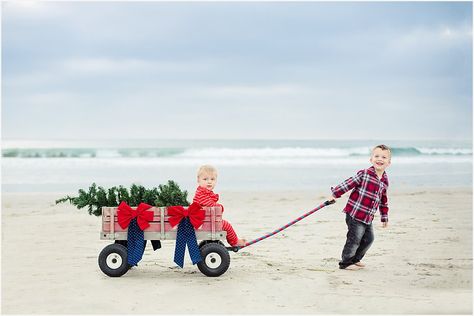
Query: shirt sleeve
[204,199]
[384,207]
[347,185]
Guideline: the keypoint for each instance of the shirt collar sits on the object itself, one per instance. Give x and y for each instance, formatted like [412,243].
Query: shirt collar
[384,177]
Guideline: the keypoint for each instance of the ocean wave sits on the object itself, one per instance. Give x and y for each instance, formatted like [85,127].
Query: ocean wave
[267,153]
[90,153]
[220,161]
[445,151]
[285,152]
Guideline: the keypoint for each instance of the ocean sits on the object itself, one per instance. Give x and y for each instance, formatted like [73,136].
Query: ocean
[243,165]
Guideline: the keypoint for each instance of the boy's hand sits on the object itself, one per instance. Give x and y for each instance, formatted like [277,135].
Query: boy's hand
[331,199]
[384,224]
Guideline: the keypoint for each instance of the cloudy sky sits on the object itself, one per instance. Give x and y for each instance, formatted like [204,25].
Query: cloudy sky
[306,70]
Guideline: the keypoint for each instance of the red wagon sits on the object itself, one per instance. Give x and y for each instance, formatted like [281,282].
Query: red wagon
[215,256]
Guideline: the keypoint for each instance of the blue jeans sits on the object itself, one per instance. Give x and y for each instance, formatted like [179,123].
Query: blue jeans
[360,237]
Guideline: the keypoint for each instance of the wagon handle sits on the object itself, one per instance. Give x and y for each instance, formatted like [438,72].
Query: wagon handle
[329,202]
[326,203]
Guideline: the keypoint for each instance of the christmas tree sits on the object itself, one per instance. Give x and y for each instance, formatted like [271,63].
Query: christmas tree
[97,197]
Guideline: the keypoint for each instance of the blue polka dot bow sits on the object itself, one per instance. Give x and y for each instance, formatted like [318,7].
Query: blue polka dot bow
[136,220]
[188,219]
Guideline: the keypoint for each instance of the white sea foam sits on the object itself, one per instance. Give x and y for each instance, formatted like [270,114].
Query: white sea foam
[267,153]
[270,153]
[445,151]
[247,165]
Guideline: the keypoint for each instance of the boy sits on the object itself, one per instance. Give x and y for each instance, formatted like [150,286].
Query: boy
[204,196]
[369,193]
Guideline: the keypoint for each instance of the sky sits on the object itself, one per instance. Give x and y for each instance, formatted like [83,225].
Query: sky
[236,70]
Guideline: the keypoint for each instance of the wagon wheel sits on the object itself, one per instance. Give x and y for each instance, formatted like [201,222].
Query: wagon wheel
[215,259]
[203,242]
[113,260]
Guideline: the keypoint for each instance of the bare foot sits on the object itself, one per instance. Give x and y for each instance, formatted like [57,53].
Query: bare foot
[241,242]
[360,264]
[352,267]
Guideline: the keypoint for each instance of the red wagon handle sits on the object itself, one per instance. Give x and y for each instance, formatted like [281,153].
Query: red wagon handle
[326,203]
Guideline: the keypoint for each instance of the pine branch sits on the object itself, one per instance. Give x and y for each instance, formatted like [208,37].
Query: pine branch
[97,197]
[170,194]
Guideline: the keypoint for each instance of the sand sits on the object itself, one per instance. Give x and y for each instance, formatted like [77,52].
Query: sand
[420,264]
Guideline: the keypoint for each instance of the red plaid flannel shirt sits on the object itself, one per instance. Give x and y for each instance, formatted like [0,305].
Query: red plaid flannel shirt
[369,194]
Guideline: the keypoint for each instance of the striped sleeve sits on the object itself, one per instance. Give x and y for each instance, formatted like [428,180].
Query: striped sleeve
[204,199]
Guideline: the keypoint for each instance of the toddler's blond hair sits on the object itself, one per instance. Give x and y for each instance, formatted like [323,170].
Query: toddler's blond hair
[206,169]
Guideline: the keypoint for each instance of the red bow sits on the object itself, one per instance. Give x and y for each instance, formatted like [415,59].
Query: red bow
[195,213]
[125,214]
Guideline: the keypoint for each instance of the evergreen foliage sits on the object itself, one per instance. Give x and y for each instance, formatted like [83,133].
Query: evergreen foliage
[97,197]
[170,194]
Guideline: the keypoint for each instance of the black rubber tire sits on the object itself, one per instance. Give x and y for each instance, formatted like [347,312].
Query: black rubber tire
[215,259]
[116,265]
[203,242]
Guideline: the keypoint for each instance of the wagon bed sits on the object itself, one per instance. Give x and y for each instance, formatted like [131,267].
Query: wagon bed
[215,256]
[160,228]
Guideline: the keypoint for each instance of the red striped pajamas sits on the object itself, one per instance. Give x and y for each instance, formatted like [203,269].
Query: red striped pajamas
[206,197]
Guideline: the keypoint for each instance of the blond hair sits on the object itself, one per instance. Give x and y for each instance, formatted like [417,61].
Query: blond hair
[206,169]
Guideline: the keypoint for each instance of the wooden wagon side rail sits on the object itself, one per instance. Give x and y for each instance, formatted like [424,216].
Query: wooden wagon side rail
[160,228]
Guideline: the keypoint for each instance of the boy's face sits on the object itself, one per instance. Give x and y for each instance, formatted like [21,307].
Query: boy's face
[207,180]
[380,159]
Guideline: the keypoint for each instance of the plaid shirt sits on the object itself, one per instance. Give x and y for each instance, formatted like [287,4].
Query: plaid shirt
[369,194]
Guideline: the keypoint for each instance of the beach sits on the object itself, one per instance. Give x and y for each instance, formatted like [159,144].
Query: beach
[126,100]
[420,264]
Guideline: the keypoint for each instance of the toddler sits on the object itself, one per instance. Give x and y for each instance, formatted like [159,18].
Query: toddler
[204,196]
